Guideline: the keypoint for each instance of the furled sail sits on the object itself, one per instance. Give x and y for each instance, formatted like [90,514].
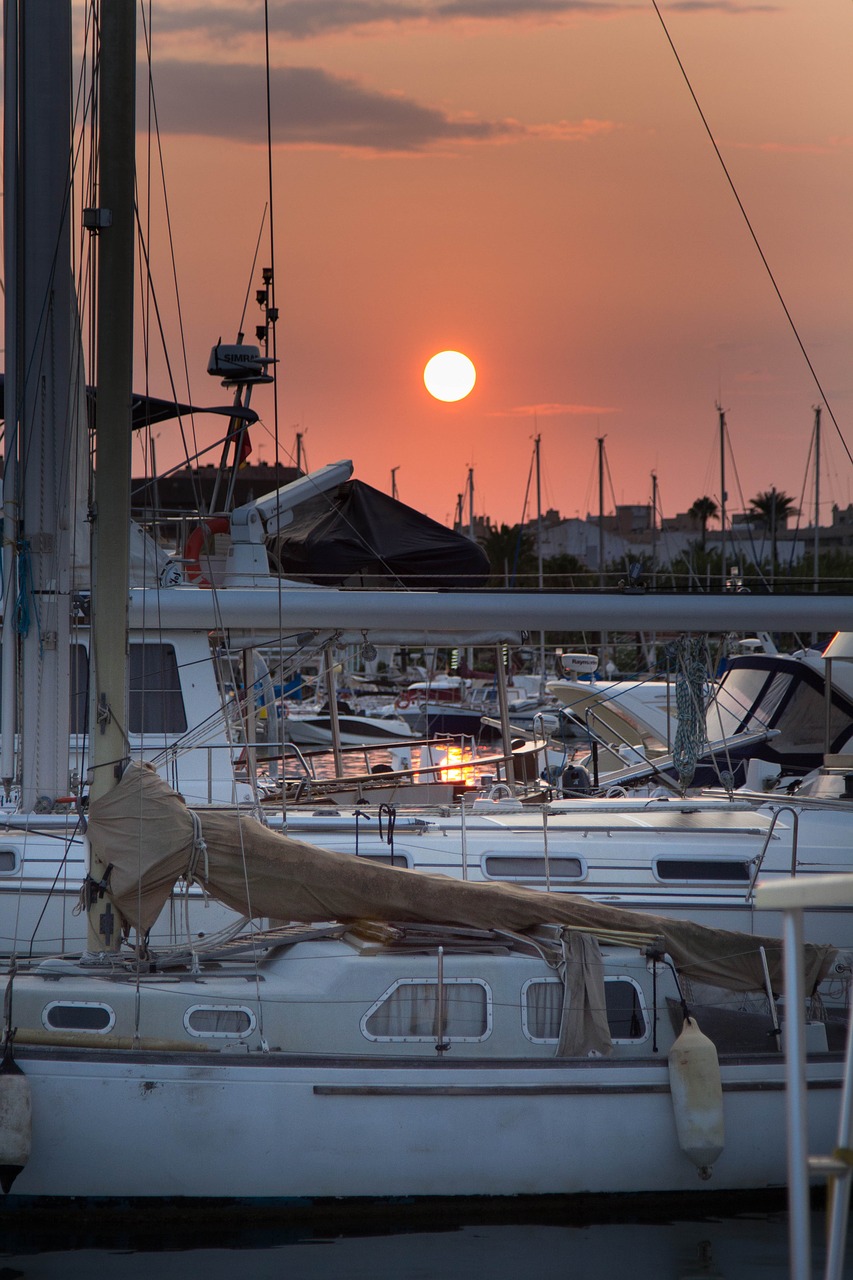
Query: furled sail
[146,833]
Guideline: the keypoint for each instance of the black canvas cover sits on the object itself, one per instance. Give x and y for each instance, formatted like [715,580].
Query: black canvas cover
[358,535]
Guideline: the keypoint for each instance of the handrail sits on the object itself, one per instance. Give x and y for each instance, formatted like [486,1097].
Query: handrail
[441,1043]
[785,808]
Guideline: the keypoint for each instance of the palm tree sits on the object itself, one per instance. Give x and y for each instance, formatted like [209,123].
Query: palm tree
[772,507]
[512,553]
[703,510]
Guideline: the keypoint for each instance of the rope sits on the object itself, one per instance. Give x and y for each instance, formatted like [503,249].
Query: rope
[22,604]
[391,813]
[199,850]
[690,688]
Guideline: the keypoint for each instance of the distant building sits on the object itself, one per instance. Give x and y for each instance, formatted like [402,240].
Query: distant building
[628,535]
[189,488]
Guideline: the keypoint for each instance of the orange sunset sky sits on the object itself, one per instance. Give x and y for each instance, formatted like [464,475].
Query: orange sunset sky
[530,183]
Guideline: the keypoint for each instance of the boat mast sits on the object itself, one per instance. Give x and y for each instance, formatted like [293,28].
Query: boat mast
[603,637]
[654,528]
[723,495]
[816,496]
[816,561]
[9,667]
[41,418]
[114,219]
[539,560]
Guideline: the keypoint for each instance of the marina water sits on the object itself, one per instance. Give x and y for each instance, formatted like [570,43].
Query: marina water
[751,1245]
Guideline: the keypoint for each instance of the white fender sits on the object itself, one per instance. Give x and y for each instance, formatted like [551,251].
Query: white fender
[15,1120]
[697,1097]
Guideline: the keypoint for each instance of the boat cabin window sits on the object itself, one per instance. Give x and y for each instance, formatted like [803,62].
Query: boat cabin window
[542,1008]
[156,700]
[385,859]
[502,866]
[8,861]
[77,1015]
[409,1011]
[156,704]
[802,724]
[219,1020]
[733,701]
[793,702]
[625,1015]
[691,870]
[772,696]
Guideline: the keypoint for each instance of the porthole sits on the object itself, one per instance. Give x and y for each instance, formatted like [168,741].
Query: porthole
[8,862]
[78,1015]
[504,866]
[702,870]
[219,1021]
[387,859]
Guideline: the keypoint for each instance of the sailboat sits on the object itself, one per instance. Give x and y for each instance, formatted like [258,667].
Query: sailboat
[397,1033]
[176,716]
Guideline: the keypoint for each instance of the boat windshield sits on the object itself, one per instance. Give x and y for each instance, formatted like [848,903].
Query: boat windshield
[730,710]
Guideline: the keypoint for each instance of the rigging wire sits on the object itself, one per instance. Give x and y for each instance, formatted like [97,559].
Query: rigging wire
[152,98]
[242,327]
[752,233]
[801,507]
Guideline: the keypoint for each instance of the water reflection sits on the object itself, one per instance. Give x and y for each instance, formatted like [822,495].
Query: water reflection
[749,1247]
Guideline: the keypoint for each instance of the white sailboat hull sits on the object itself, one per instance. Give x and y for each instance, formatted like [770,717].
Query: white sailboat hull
[354,730]
[278,1127]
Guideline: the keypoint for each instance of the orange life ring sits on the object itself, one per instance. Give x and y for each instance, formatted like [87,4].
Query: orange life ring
[195,544]
[402,701]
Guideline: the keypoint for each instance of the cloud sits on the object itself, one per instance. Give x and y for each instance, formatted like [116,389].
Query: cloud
[720,6]
[572,130]
[313,19]
[312,108]
[552,410]
[831,147]
[310,19]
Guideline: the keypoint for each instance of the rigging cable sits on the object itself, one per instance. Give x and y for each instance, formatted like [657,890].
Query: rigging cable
[749,226]
[154,118]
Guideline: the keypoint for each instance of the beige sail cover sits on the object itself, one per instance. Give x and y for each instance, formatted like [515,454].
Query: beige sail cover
[146,833]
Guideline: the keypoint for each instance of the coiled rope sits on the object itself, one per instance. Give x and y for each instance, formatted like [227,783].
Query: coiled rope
[691,687]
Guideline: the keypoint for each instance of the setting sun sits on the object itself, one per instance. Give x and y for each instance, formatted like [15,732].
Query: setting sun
[449,376]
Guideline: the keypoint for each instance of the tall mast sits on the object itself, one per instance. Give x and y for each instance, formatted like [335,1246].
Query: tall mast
[816,495]
[41,419]
[110,537]
[600,442]
[9,663]
[654,528]
[537,442]
[603,637]
[723,495]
